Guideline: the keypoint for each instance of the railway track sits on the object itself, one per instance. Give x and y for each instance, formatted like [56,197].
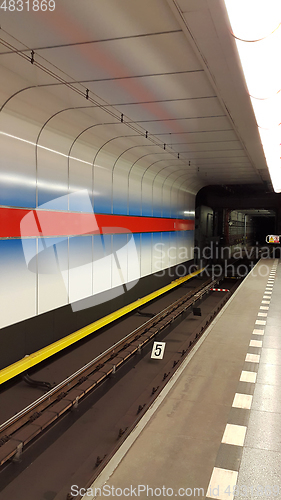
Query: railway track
[17,432]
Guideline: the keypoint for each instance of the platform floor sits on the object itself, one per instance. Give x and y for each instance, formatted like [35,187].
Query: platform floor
[215,430]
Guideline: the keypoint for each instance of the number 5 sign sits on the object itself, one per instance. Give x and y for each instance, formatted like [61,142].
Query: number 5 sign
[158,350]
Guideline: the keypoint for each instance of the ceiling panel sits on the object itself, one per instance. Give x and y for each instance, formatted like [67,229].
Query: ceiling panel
[156,88]
[168,66]
[123,58]
[76,22]
[203,136]
[209,146]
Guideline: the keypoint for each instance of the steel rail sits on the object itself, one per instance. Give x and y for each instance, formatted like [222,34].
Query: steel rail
[72,382]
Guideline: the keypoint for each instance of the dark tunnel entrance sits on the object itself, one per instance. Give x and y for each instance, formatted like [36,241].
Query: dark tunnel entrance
[263,226]
[235,217]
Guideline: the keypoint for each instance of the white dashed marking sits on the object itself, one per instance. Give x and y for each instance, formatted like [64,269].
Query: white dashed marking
[258,332]
[242,401]
[222,484]
[248,377]
[234,434]
[256,343]
[252,358]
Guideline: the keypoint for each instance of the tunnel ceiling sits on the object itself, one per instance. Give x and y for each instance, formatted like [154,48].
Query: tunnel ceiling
[153,83]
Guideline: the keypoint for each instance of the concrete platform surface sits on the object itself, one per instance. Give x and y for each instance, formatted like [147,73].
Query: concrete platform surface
[215,430]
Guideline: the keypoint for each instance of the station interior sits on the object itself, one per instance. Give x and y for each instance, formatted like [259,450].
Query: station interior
[140,218]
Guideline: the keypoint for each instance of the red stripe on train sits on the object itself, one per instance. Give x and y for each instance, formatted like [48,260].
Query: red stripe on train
[17,223]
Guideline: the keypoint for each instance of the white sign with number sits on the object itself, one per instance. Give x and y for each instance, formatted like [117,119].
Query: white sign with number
[158,350]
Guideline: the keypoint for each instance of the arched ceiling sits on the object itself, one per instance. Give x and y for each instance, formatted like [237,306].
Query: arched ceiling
[155,83]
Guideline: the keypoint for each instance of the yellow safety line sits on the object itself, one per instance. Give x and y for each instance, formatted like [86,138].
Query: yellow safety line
[38,356]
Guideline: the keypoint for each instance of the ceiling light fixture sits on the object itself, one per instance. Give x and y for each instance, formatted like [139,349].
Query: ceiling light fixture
[258,41]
